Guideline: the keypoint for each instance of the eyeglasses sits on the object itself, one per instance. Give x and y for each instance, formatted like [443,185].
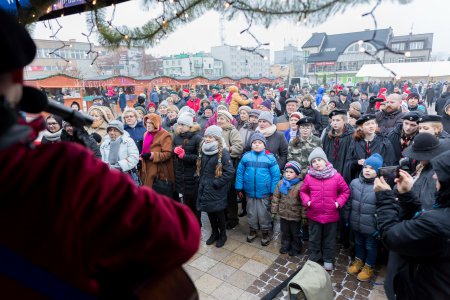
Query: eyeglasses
[129,116]
[52,124]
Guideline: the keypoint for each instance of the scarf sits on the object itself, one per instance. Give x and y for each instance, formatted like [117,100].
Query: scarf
[148,140]
[114,151]
[287,185]
[210,148]
[325,174]
[53,136]
[268,131]
[406,140]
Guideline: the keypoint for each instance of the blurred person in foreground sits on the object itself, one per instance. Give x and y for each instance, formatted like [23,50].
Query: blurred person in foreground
[89,229]
[418,240]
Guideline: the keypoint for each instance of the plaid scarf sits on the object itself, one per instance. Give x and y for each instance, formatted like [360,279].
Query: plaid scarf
[406,140]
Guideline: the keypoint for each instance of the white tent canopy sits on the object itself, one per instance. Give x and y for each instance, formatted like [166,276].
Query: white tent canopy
[406,70]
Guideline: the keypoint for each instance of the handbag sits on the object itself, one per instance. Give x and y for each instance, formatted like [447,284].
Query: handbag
[135,176]
[162,186]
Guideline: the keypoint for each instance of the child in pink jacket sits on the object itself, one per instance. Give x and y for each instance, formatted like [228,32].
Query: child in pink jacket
[323,193]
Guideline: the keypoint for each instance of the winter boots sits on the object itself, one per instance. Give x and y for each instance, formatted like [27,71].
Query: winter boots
[214,237]
[222,239]
[265,240]
[355,267]
[366,273]
[252,235]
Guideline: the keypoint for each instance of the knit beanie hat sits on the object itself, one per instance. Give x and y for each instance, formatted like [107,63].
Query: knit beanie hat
[225,113]
[185,119]
[317,153]
[245,107]
[222,107]
[213,130]
[356,106]
[187,110]
[375,161]
[258,137]
[294,166]
[267,103]
[266,116]
[164,103]
[254,113]
[115,124]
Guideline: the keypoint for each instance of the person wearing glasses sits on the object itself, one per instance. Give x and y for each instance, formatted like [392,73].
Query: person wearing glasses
[134,126]
[53,132]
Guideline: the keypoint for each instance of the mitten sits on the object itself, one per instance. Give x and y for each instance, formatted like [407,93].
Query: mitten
[146,156]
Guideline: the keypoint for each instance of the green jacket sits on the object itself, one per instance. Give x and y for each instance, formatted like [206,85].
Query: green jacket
[300,149]
[288,207]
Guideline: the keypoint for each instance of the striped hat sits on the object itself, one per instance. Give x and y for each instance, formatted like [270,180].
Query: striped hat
[294,166]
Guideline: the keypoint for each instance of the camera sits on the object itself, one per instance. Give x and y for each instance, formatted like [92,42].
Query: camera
[374,99]
[389,174]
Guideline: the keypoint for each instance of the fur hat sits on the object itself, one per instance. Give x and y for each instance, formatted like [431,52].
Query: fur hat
[213,130]
[185,119]
[267,103]
[104,112]
[225,113]
[266,116]
[115,124]
[317,153]
[258,137]
[155,119]
[246,108]
[375,161]
[294,166]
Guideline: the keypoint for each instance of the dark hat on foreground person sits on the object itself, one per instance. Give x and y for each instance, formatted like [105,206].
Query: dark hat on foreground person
[430,118]
[413,95]
[413,116]
[441,166]
[337,112]
[363,119]
[425,146]
[18,48]
[305,120]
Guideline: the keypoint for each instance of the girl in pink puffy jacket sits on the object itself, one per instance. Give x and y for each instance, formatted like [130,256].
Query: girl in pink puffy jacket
[323,192]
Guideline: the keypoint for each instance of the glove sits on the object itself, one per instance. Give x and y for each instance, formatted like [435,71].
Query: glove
[146,156]
[176,150]
[180,153]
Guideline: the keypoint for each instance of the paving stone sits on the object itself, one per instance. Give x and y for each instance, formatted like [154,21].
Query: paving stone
[241,279]
[235,260]
[248,296]
[281,277]
[207,283]
[218,253]
[194,273]
[362,291]
[246,250]
[222,271]
[351,285]
[283,270]
[253,267]
[232,244]
[274,282]
[347,293]
[259,283]
[227,291]
[264,277]
[265,257]
[253,290]
[204,263]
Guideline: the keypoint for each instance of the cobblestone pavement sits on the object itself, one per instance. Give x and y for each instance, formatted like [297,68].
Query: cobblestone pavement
[242,270]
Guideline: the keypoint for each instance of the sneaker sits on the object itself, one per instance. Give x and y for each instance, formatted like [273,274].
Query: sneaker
[355,267]
[328,266]
[251,236]
[365,274]
[283,250]
[265,240]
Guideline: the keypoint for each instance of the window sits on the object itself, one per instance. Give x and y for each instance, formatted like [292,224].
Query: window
[398,46]
[354,48]
[416,45]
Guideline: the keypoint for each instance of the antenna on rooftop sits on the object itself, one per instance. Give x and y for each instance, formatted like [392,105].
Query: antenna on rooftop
[412,26]
[222,30]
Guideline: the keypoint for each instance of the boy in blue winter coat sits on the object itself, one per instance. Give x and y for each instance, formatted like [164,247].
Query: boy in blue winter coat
[361,209]
[257,175]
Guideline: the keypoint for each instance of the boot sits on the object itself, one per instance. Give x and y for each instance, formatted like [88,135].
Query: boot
[232,224]
[222,239]
[355,267]
[265,240]
[214,237]
[252,235]
[366,273]
[243,213]
[294,252]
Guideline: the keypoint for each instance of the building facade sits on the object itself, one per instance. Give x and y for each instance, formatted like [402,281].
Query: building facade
[238,63]
[198,64]
[290,55]
[337,58]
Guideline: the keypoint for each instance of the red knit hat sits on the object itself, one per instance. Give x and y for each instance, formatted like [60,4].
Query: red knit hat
[186,90]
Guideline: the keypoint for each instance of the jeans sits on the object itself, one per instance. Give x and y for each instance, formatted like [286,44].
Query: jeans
[322,241]
[366,248]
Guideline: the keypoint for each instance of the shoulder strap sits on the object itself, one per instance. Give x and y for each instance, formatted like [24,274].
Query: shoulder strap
[16,267]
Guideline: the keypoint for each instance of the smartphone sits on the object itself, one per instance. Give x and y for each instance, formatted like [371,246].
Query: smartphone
[389,174]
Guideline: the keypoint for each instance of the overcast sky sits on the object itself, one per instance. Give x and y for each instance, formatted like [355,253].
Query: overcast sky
[424,16]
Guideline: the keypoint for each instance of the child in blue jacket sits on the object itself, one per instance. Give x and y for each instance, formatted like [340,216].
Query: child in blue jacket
[257,175]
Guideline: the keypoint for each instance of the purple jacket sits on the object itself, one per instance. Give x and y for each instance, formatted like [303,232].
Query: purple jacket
[323,194]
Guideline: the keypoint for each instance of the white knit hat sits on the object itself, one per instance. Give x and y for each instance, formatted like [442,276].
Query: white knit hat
[185,119]
[213,130]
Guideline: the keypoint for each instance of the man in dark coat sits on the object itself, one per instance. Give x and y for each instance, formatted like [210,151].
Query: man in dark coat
[392,115]
[403,134]
[65,213]
[343,102]
[313,114]
[440,103]
[418,241]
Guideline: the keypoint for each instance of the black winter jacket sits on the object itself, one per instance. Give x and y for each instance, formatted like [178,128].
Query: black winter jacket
[419,259]
[394,137]
[440,103]
[212,191]
[362,206]
[185,168]
[387,121]
[84,139]
[342,151]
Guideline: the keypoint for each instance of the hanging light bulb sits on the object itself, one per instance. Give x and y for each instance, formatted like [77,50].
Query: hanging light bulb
[126,36]
[407,54]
